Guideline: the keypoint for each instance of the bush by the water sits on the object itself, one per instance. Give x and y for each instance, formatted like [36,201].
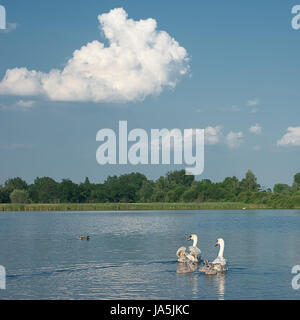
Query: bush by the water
[19,196]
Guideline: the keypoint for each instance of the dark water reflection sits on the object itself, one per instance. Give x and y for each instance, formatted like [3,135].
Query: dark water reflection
[131,255]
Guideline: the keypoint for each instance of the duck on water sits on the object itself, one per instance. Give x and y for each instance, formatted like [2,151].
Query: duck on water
[83,238]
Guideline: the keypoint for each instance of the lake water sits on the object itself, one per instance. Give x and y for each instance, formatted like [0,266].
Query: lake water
[131,255]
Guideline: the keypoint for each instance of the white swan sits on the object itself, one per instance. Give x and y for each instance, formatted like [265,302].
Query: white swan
[193,256]
[219,264]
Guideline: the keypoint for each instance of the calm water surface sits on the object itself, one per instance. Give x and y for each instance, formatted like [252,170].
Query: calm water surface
[131,255]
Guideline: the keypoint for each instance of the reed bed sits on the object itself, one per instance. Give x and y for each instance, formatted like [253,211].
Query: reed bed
[130,206]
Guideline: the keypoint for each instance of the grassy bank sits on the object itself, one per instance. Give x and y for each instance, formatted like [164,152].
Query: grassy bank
[129,206]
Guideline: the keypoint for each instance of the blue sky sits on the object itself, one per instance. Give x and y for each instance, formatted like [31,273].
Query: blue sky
[244,72]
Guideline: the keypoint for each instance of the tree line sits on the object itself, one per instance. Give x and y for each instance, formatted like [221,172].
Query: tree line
[135,187]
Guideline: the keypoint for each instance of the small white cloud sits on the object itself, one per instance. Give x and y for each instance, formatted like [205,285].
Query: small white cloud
[291,138]
[256,129]
[20,105]
[234,139]
[233,108]
[213,135]
[139,61]
[25,104]
[257,148]
[10,26]
[252,103]
[14,146]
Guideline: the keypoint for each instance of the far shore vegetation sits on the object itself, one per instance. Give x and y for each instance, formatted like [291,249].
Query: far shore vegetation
[175,191]
[130,206]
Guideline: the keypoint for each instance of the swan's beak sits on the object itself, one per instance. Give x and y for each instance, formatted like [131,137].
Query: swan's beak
[189,238]
[216,244]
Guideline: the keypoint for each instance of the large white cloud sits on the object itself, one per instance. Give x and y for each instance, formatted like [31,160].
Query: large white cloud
[138,61]
[291,138]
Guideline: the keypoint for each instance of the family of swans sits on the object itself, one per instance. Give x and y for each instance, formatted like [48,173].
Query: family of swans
[188,260]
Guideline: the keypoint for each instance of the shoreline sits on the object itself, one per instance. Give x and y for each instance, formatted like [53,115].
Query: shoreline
[133,206]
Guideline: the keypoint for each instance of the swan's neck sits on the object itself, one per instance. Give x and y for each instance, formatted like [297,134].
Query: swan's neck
[221,251]
[195,240]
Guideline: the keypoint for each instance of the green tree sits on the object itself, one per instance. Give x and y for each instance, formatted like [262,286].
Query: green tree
[205,190]
[244,196]
[158,196]
[296,200]
[68,191]
[125,187]
[44,190]
[178,192]
[249,183]
[99,194]
[175,194]
[190,195]
[231,188]
[15,183]
[4,195]
[296,184]
[162,184]
[85,190]
[146,191]
[179,177]
[19,196]
[297,178]
[282,188]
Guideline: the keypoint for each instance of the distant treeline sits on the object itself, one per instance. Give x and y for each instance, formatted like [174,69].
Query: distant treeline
[136,188]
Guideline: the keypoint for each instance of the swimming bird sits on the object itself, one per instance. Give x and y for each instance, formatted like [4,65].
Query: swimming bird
[219,264]
[187,267]
[207,268]
[83,238]
[195,253]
